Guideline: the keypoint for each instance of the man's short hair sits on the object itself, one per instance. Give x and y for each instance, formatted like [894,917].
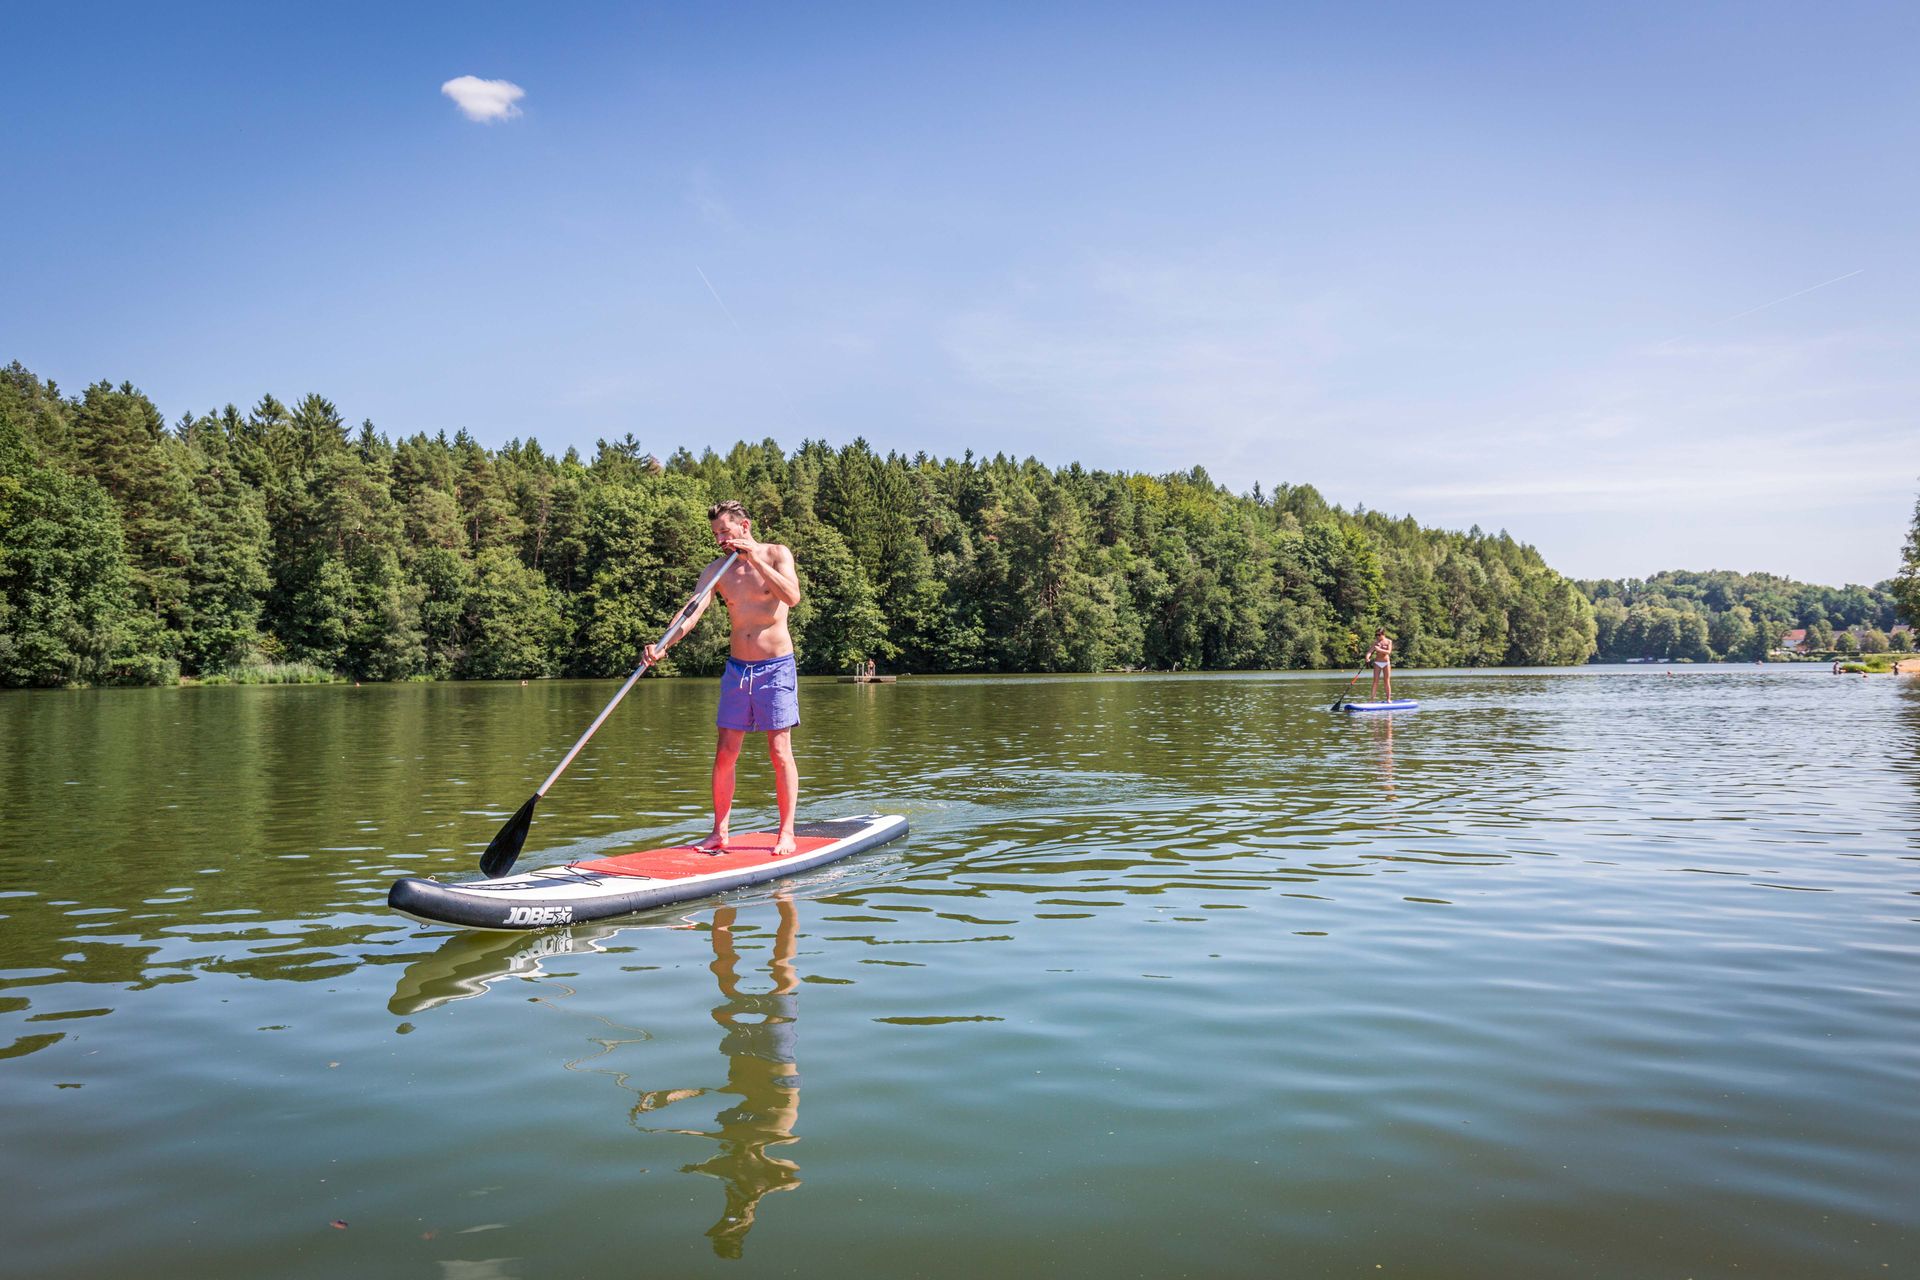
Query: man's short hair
[728,508]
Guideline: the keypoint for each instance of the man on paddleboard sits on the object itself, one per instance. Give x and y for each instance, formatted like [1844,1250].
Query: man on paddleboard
[760,688]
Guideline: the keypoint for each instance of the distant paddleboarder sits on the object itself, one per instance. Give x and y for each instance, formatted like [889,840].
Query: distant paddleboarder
[1380,657]
[760,688]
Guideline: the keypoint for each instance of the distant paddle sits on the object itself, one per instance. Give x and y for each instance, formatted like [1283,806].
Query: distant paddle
[1349,689]
[498,859]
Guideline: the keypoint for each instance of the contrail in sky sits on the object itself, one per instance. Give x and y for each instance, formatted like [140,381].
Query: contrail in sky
[736,324]
[1763,306]
[1741,315]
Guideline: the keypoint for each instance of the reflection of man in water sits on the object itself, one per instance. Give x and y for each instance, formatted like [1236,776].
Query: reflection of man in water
[759,1044]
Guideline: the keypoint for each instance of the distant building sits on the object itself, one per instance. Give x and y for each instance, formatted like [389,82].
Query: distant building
[1795,641]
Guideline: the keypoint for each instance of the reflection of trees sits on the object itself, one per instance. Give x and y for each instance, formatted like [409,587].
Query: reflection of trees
[758,1039]
[245,826]
[165,835]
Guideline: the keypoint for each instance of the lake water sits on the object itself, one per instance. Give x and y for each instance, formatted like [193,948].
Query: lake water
[1579,973]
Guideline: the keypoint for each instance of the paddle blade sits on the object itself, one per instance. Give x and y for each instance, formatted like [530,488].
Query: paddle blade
[498,859]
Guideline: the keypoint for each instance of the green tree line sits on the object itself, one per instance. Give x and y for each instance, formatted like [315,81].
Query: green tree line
[133,551]
[1706,617]
[1906,583]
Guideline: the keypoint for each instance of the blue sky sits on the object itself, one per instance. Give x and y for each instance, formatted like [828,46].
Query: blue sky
[1634,282]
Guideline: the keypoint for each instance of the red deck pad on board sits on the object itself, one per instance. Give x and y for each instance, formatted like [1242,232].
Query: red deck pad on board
[753,848]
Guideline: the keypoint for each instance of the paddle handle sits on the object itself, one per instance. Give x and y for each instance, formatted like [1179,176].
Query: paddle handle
[673,633]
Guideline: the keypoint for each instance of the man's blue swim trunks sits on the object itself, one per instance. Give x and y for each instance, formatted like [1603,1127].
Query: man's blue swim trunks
[760,696]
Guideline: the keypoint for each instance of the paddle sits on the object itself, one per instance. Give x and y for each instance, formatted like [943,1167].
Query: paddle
[1356,675]
[505,847]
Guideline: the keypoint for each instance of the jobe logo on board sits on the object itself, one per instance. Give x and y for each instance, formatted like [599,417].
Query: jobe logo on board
[540,915]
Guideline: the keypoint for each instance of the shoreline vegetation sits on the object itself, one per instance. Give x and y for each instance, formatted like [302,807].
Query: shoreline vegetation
[279,545]
[1679,616]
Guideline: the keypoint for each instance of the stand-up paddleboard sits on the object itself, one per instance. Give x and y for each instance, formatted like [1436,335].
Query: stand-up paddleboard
[1404,704]
[632,882]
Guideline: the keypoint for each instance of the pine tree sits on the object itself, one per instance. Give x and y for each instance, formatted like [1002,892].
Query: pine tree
[1906,585]
[121,441]
[227,547]
[65,591]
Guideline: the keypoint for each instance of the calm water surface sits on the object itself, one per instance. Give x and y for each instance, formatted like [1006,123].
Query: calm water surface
[1588,973]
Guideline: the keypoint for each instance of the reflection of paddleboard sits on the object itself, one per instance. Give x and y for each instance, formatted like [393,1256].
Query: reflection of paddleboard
[468,964]
[632,882]
[1404,704]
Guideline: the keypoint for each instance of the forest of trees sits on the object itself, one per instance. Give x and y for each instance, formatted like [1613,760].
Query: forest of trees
[1906,583]
[132,551]
[1703,617]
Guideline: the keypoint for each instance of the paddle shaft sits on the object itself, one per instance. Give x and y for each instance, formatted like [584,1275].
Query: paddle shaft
[1356,675]
[673,633]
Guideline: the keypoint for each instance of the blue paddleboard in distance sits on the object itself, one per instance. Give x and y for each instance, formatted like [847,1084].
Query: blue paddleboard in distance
[1404,704]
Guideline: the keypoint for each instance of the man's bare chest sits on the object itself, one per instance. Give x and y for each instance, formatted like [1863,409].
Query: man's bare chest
[741,585]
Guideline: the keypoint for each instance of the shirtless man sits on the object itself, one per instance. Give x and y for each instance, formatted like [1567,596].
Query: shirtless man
[759,691]
[1381,656]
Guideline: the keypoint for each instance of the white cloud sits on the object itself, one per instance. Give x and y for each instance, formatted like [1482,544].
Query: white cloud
[484,100]
[1764,448]
[1688,476]
[1178,361]
[705,199]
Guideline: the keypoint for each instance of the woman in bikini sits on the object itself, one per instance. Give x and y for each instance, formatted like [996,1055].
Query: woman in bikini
[1381,656]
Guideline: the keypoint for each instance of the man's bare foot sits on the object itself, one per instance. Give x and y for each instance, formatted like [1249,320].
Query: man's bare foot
[784,845]
[715,843]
